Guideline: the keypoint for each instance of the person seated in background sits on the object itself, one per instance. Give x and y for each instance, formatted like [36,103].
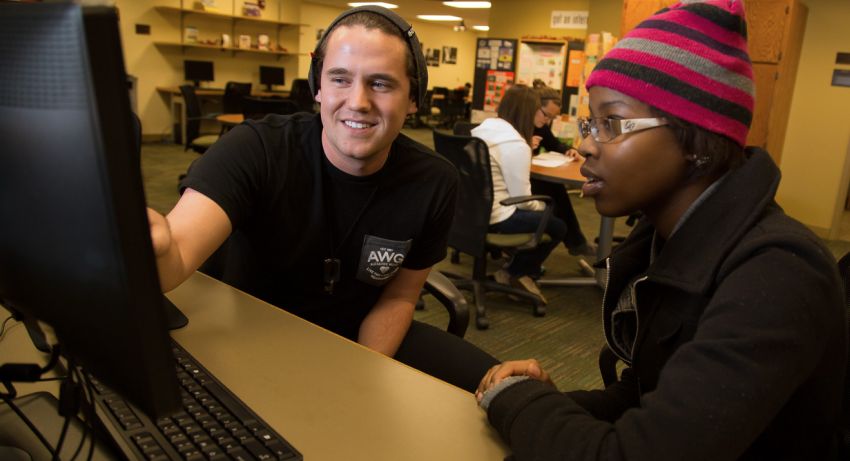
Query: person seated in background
[728,314]
[335,217]
[550,108]
[508,139]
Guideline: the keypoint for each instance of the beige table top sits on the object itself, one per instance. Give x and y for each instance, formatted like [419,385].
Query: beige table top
[331,398]
[568,173]
[230,119]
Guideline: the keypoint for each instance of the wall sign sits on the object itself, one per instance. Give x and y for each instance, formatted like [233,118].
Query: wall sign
[840,77]
[568,20]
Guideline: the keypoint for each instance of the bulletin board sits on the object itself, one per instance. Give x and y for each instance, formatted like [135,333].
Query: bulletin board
[544,60]
[497,82]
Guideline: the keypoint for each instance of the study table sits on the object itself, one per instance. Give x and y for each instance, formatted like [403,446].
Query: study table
[331,398]
[174,98]
[569,174]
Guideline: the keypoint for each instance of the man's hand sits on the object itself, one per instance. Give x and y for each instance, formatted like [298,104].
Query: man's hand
[530,368]
[572,153]
[160,233]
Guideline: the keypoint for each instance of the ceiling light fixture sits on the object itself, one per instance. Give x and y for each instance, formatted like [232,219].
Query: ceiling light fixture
[438,17]
[481,28]
[467,4]
[388,6]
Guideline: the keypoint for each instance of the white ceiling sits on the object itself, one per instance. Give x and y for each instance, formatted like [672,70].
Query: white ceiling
[408,9]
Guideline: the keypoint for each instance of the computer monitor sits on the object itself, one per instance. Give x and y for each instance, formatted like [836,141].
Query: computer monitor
[75,246]
[198,71]
[270,76]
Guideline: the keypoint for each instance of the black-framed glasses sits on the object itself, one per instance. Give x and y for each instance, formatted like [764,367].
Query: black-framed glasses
[605,129]
[547,116]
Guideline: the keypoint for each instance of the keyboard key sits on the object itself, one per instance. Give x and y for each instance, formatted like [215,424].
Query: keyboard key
[257,449]
[280,450]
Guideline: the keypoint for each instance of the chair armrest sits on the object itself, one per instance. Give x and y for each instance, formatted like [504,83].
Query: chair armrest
[452,299]
[547,214]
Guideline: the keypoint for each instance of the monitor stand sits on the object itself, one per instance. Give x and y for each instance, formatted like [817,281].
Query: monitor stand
[174,319]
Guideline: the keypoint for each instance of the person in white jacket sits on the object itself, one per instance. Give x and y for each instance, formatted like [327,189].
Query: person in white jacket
[508,138]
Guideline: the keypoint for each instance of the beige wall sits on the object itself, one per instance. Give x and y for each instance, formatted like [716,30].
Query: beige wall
[515,19]
[814,160]
[157,66]
[605,16]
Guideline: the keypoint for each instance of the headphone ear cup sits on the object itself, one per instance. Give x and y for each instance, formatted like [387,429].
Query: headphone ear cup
[313,77]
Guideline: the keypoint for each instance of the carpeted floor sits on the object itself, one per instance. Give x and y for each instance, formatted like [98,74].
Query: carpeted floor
[566,341]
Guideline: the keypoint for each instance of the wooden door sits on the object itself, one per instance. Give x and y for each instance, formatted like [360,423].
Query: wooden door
[635,11]
[765,28]
[764,78]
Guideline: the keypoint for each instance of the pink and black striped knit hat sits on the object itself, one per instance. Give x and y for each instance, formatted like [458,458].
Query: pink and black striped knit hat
[689,60]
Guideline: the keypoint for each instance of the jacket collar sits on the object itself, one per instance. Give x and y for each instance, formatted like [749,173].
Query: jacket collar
[710,233]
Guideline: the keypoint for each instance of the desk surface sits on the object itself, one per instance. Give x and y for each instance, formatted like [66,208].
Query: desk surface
[569,173]
[333,399]
[175,90]
[230,119]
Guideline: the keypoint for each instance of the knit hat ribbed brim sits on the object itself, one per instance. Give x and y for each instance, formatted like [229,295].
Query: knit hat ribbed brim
[689,60]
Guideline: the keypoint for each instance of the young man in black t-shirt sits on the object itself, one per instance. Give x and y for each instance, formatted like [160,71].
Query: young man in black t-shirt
[335,217]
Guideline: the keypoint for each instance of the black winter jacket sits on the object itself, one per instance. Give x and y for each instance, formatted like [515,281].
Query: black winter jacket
[739,344]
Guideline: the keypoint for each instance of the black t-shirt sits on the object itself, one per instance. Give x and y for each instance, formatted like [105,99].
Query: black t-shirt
[291,210]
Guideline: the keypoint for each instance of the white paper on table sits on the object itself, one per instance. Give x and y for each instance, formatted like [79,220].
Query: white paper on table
[550,159]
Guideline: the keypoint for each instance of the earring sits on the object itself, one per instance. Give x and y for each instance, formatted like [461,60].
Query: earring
[702,161]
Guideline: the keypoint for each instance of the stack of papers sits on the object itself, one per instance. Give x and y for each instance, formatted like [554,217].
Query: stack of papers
[550,159]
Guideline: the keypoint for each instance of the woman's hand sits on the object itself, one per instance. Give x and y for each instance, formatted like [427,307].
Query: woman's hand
[530,368]
[572,153]
[535,142]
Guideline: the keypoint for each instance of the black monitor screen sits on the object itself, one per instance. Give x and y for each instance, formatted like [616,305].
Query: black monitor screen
[198,71]
[272,76]
[74,241]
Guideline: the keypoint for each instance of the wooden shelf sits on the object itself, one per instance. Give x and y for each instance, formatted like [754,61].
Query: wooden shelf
[224,48]
[230,17]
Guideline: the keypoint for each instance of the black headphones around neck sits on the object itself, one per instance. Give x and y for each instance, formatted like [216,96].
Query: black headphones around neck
[406,31]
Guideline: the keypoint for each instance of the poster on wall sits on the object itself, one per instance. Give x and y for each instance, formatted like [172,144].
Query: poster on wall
[432,57]
[497,82]
[542,60]
[495,54]
[568,20]
[449,55]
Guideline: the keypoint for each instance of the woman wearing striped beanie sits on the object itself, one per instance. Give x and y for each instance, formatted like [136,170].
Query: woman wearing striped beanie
[727,313]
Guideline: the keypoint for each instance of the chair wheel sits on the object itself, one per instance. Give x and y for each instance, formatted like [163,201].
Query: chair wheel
[482,323]
[539,310]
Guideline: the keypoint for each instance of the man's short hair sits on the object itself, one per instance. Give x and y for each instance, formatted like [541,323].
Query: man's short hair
[371,21]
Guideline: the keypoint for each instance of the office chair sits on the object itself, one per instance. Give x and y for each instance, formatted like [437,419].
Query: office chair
[844,425]
[221,266]
[469,233]
[423,113]
[301,95]
[257,108]
[231,103]
[463,128]
[194,139]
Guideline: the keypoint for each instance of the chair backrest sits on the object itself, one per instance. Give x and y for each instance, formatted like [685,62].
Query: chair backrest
[463,128]
[475,192]
[844,270]
[257,108]
[231,103]
[193,114]
[302,96]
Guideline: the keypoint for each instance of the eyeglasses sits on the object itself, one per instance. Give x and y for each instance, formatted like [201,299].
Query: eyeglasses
[547,116]
[604,129]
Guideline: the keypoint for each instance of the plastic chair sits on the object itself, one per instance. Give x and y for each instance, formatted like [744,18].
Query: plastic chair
[194,139]
[470,229]
[231,103]
[257,108]
[301,95]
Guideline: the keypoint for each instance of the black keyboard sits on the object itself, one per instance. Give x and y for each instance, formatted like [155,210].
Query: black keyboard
[213,425]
